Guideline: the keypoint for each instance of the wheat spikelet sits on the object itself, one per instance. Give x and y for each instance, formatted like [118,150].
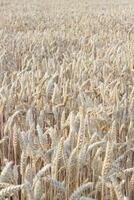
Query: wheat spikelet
[117,188]
[63,119]
[23,162]
[55,183]
[22,138]
[80,189]
[29,116]
[81,133]
[53,135]
[29,173]
[82,155]
[29,190]
[11,119]
[15,141]
[106,164]
[72,170]
[96,144]
[42,172]
[107,160]
[38,190]
[114,130]
[10,190]
[58,157]
[71,122]
[15,173]
[55,96]
[42,138]
[7,173]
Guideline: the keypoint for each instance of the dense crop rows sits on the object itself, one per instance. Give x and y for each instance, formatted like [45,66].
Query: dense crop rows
[66,100]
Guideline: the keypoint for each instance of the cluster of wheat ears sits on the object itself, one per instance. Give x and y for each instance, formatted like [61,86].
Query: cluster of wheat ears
[66,101]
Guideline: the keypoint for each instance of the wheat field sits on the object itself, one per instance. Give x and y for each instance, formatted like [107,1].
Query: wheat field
[66,100]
